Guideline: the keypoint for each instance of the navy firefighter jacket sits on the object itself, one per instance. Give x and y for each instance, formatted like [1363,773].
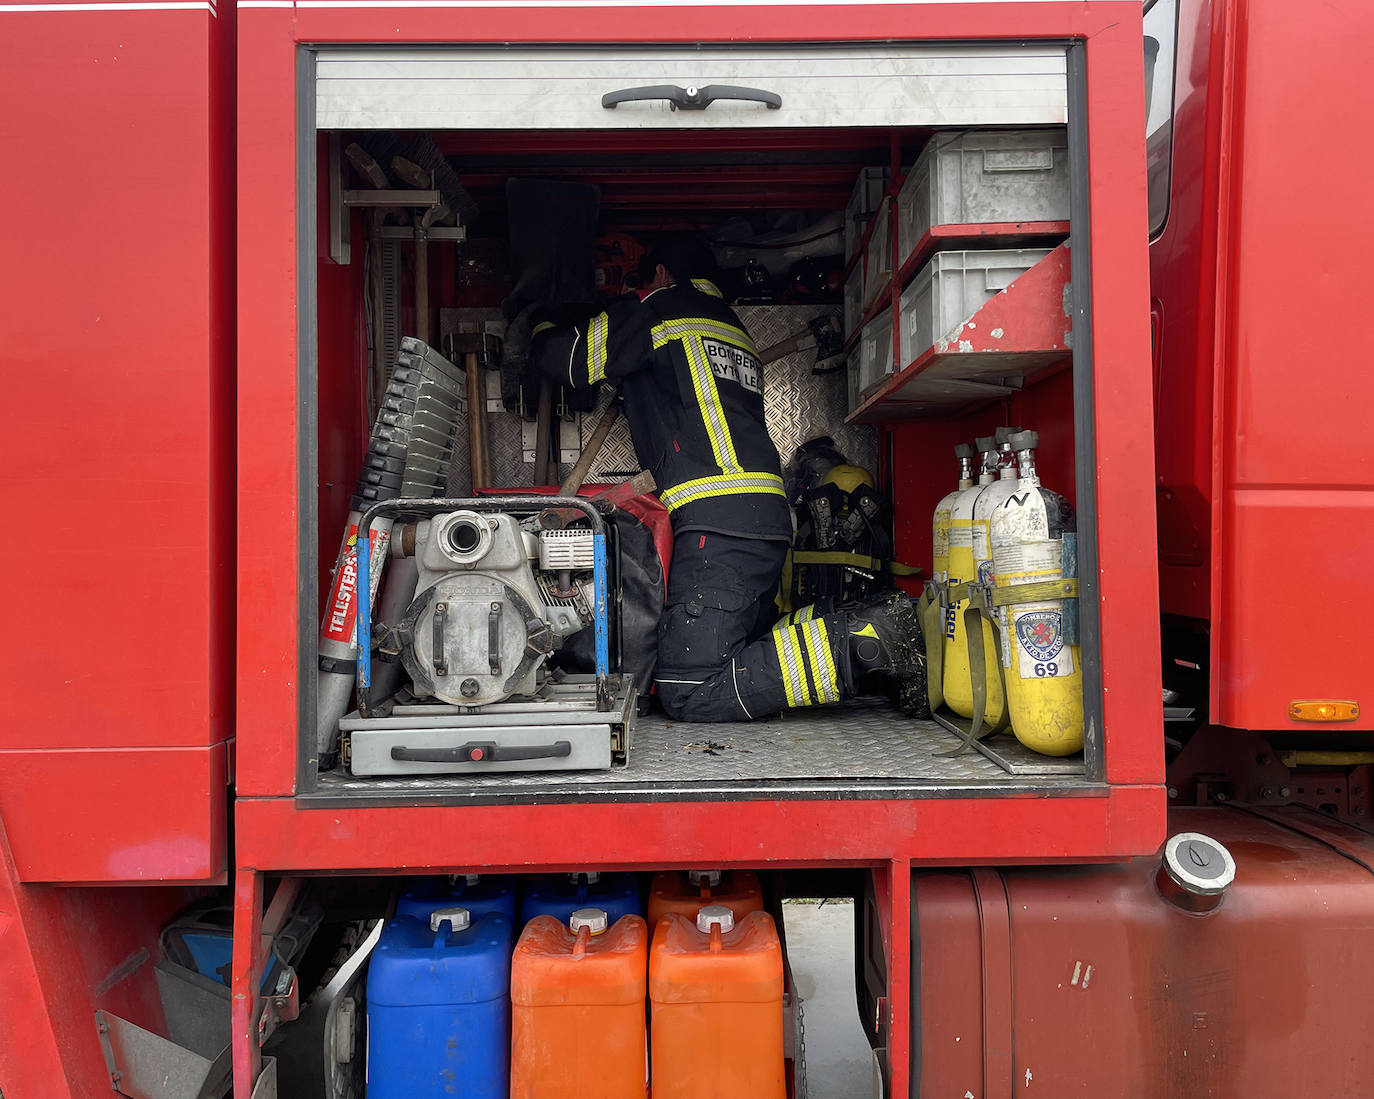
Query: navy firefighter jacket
[693,389]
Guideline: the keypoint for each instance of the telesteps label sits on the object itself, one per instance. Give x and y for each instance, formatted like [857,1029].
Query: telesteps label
[342,614]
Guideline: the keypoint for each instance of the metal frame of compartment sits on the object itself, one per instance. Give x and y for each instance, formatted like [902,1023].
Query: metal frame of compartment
[280,829]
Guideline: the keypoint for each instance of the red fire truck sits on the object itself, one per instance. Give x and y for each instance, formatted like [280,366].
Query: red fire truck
[193,287]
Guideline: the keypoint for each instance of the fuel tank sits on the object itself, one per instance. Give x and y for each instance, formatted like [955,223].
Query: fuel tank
[1115,981]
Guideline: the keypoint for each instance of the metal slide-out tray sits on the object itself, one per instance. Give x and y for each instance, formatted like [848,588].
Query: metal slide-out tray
[863,748]
[566,715]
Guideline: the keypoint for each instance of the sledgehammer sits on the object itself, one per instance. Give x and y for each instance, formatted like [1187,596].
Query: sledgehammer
[823,333]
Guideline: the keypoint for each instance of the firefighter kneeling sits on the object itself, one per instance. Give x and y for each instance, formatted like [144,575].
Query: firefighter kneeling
[692,384]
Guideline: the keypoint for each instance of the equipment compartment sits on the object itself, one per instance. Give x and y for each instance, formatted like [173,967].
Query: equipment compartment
[864,746]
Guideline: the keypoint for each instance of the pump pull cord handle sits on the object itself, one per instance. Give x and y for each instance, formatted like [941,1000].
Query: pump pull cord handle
[691,98]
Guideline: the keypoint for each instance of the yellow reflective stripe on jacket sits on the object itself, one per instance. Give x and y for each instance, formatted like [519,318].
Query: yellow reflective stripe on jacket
[596,348]
[727,484]
[790,664]
[712,411]
[706,286]
[702,326]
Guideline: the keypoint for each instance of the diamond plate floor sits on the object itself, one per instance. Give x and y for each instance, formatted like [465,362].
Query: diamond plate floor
[860,748]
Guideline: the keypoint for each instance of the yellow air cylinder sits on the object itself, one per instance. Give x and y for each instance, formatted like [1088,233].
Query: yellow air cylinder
[957,682]
[932,621]
[939,570]
[1044,674]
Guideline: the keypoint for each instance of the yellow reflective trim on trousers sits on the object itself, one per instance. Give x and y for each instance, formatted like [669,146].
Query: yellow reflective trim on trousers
[712,411]
[811,666]
[790,664]
[727,484]
[702,326]
[706,286]
[822,659]
[596,348]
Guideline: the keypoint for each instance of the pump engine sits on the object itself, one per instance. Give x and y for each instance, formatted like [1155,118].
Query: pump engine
[495,597]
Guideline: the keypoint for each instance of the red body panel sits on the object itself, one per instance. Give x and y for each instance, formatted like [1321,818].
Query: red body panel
[177,833]
[64,952]
[115,298]
[1293,472]
[1093,983]
[276,834]
[1263,398]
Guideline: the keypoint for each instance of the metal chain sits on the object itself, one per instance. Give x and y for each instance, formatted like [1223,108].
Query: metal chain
[801,1050]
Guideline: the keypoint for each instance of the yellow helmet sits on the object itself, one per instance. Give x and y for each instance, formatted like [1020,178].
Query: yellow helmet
[848,478]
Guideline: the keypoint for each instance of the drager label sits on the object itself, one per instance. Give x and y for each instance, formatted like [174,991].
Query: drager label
[733,364]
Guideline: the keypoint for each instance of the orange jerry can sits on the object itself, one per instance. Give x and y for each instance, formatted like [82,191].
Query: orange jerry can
[686,894]
[715,989]
[577,1008]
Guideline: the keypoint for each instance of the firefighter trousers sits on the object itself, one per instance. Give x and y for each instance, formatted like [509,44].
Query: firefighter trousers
[718,658]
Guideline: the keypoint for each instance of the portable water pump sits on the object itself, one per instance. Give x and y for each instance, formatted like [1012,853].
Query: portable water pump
[502,584]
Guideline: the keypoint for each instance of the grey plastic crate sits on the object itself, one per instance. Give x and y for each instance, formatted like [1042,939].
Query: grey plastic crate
[863,200]
[878,257]
[979,177]
[853,298]
[952,286]
[855,378]
[875,350]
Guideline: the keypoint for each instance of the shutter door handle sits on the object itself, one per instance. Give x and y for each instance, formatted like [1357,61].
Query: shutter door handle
[691,98]
[482,751]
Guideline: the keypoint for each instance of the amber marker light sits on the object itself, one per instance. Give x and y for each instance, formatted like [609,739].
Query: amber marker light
[1323,709]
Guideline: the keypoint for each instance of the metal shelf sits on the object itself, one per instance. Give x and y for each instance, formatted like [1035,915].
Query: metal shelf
[1023,331]
[1009,234]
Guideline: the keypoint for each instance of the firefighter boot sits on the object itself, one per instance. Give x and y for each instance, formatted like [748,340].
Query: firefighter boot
[885,644]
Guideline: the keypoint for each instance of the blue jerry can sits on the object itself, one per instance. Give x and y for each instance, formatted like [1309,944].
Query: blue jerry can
[438,1008]
[478,893]
[560,895]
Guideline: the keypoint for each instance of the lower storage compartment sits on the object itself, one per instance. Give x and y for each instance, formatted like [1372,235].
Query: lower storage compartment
[706,1001]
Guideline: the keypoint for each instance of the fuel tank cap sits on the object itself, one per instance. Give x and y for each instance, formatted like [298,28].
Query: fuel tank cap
[1199,866]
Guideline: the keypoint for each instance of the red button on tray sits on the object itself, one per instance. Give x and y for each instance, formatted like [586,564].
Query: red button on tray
[477,754]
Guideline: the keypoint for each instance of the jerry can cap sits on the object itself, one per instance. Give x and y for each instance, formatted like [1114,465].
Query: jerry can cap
[594,920]
[592,877]
[460,919]
[715,915]
[707,877]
